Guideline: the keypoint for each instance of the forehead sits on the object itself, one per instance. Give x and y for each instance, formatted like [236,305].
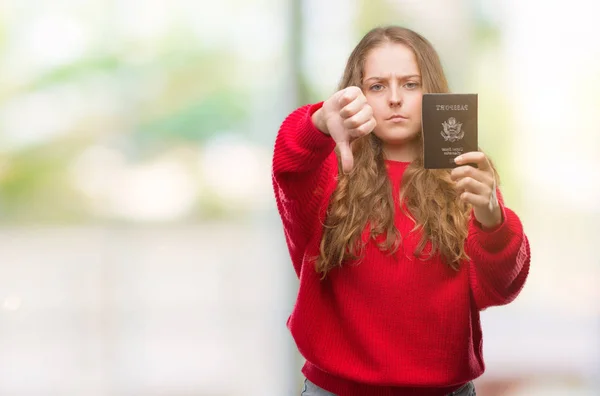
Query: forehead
[390,59]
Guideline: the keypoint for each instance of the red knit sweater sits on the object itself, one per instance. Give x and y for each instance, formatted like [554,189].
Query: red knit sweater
[387,326]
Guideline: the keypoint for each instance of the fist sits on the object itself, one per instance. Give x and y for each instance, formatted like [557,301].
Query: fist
[345,116]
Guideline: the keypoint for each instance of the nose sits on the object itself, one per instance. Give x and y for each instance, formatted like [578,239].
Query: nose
[395,98]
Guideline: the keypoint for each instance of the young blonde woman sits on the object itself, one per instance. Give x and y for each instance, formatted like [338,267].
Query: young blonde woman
[394,261]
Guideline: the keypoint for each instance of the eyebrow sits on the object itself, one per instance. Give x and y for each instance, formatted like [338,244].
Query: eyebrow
[376,78]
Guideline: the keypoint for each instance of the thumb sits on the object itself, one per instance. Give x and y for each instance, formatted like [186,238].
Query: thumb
[346,156]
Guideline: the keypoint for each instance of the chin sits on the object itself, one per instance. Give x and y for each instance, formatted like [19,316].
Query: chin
[397,137]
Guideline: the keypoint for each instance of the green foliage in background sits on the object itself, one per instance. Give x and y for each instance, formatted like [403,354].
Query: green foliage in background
[171,99]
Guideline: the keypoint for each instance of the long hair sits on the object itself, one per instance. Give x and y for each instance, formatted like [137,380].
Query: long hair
[364,197]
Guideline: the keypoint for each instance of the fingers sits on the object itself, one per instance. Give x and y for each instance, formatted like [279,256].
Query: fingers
[348,117]
[353,107]
[357,115]
[346,156]
[363,129]
[475,173]
[471,185]
[474,199]
[348,95]
[359,119]
[474,185]
[474,157]
[477,186]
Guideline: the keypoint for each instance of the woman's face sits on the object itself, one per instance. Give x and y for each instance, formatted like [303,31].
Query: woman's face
[393,87]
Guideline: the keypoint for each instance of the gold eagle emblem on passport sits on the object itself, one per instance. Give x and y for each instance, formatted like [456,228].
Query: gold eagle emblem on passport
[452,130]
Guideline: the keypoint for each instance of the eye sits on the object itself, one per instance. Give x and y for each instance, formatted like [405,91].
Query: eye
[376,87]
[411,85]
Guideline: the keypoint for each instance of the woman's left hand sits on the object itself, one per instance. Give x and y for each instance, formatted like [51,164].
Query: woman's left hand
[477,186]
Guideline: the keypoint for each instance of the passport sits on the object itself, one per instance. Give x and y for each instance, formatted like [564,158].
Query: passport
[449,122]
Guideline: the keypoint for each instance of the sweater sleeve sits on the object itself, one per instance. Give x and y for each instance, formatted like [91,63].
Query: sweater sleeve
[304,170]
[500,259]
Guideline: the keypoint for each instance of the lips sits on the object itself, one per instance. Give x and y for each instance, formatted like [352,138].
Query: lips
[397,117]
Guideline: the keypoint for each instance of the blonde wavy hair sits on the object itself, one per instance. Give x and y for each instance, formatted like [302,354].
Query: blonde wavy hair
[365,197]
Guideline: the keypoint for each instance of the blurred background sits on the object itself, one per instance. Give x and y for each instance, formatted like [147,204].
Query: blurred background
[140,248]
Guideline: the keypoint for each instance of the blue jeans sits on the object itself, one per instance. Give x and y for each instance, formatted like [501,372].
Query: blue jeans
[311,389]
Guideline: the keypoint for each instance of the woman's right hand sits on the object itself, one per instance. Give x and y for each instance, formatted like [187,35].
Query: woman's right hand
[345,116]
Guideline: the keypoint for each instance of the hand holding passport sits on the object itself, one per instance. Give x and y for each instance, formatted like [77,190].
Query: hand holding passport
[449,124]
[449,128]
